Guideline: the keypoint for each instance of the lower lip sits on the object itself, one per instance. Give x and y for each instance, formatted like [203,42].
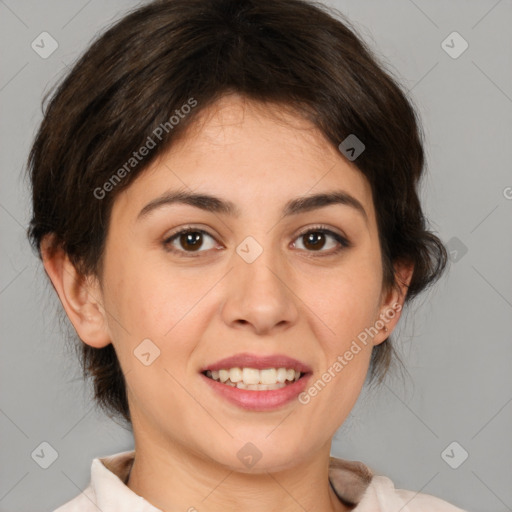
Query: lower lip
[259,400]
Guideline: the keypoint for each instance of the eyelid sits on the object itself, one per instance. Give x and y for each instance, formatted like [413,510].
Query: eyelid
[321,228]
[187,228]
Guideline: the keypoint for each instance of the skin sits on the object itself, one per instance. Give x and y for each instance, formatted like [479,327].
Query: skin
[201,308]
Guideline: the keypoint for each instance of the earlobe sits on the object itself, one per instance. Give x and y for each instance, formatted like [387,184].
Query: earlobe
[392,304]
[80,296]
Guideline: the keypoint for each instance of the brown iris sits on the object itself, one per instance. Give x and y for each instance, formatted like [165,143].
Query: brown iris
[191,240]
[314,240]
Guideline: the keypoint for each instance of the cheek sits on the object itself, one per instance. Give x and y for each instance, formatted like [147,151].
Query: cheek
[346,300]
[344,307]
[152,303]
[148,297]
[153,300]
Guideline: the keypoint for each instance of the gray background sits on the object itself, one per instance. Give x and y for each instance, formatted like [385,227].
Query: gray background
[455,341]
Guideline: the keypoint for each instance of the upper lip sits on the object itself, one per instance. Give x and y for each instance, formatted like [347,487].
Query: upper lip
[246,360]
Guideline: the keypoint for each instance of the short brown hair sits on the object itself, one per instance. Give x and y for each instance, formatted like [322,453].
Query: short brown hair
[149,64]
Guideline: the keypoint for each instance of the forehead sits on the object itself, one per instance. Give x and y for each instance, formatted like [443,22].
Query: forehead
[242,150]
[258,127]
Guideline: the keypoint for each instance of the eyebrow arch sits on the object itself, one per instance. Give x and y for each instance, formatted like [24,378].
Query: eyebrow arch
[216,205]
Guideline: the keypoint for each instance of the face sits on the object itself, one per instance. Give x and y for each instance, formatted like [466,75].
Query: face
[262,278]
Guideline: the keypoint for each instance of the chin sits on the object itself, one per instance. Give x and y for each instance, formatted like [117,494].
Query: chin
[254,457]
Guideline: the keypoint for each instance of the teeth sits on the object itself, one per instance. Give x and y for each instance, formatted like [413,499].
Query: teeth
[251,378]
[268,376]
[259,387]
[281,374]
[235,375]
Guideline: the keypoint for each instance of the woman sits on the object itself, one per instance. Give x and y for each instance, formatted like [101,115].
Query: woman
[225,200]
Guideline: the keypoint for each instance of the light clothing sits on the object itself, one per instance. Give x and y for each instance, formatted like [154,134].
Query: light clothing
[354,483]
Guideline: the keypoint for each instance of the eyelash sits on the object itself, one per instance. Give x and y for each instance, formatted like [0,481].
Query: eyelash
[342,241]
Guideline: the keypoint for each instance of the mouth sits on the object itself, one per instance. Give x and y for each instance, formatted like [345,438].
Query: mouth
[257,382]
[253,379]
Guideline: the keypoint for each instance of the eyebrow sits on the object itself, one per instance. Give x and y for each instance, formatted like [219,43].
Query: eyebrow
[217,205]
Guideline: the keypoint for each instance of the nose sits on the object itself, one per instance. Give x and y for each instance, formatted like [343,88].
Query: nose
[259,296]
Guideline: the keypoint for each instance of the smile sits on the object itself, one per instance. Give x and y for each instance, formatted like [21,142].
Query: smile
[254,379]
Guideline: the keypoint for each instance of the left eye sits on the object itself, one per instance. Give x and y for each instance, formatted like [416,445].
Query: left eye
[315,240]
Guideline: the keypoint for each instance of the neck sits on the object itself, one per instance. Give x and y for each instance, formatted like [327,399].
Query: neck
[175,479]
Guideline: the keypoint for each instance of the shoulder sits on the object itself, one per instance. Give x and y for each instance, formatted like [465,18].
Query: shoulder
[106,490]
[84,502]
[381,495]
[356,485]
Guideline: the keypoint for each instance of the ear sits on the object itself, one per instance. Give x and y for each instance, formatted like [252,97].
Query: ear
[393,301]
[80,296]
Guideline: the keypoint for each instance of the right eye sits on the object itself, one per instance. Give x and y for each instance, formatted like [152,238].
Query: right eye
[188,240]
